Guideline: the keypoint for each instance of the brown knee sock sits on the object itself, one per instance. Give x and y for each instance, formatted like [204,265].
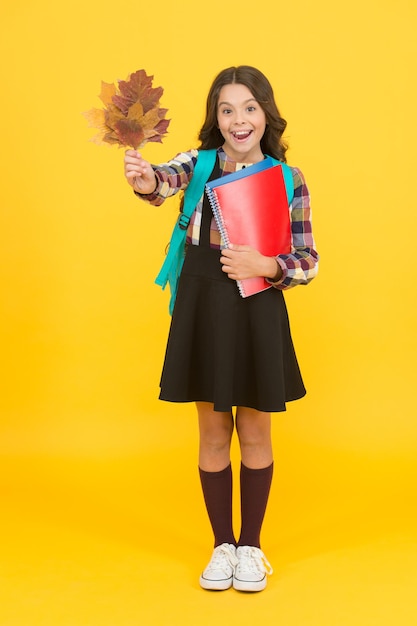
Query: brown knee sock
[254,492]
[217,490]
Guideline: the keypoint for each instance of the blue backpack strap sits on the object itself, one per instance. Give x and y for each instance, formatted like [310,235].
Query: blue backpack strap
[202,170]
[172,266]
[288,179]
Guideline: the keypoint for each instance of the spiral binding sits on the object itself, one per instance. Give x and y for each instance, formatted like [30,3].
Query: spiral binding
[218,217]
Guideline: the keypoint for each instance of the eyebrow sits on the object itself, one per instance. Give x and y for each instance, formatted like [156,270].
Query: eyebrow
[245,102]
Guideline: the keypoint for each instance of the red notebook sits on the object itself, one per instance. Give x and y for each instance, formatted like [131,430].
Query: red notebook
[252,209]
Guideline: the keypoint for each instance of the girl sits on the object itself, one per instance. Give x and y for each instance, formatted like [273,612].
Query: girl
[223,350]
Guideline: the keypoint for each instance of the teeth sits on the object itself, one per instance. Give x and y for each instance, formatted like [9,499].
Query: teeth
[241,133]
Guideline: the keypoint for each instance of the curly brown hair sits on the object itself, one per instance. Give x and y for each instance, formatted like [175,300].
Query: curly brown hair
[261,89]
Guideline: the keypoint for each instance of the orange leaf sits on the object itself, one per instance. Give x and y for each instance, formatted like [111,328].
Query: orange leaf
[108,90]
[112,116]
[150,119]
[135,111]
[95,118]
[131,116]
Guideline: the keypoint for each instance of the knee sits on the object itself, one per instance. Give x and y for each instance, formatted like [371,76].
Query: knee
[253,431]
[252,438]
[216,438]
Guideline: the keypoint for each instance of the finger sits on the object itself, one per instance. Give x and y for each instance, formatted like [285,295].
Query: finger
[137,163]
[228,254]
[133,168]
[136,170]
[131,175]
[130,169]
[133,153]
[239,247]
[132,160]
[229,270]
[134,157]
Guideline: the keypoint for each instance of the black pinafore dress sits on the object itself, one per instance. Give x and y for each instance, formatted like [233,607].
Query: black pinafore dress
[222,348]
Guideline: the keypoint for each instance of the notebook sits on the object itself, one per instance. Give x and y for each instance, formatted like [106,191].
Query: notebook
[251,208]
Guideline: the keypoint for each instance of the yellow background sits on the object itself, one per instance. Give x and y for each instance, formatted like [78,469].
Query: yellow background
[103,521]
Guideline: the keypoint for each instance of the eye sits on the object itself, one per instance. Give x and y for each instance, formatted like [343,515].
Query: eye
[251,108]
[226,111]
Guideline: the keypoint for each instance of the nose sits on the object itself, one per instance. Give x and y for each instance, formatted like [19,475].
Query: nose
[240,117]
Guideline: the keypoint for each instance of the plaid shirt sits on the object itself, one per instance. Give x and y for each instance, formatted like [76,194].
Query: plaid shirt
[298,268]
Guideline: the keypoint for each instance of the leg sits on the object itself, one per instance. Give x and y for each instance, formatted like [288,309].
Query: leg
[216,429]
[254,431]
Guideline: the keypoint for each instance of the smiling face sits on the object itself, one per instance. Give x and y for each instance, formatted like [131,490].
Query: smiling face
[242,123]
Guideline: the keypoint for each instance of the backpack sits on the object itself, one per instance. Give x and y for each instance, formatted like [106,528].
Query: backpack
[172,266]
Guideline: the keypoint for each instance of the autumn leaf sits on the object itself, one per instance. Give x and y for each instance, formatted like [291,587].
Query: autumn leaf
[108,91]
[161,129]
[129,132]
[136,111]
[132,115]
[96,119]
[138,89]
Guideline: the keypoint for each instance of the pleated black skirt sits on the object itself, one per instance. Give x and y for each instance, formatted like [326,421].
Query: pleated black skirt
[225,349]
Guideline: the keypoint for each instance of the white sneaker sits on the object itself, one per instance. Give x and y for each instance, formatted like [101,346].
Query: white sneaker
[251,570]
[218,574]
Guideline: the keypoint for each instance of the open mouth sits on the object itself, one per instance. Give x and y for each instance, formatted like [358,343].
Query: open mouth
[241,135]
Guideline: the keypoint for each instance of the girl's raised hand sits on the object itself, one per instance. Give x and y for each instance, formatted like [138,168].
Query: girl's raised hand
[139,173]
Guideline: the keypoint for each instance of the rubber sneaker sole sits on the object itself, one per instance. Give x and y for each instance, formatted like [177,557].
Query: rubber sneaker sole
[216,585]
[249,585]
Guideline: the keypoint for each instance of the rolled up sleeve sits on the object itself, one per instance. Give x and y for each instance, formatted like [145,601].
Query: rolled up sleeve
[300,266]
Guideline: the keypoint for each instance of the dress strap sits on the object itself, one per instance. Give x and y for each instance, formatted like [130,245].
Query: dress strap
[207,213]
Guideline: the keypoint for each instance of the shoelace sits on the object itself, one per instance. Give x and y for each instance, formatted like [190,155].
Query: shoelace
[253,560]
[222,558]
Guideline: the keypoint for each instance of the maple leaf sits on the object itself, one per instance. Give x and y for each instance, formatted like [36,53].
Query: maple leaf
[129,132]
[132,115]
[96,119]
[138,88]
[159,130]
[108,90]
